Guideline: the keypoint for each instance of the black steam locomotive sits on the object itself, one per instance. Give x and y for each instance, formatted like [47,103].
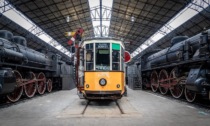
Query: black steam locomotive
[182,68]
[23,69]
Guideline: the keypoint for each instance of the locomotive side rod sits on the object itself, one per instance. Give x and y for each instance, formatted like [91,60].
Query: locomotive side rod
[29,81]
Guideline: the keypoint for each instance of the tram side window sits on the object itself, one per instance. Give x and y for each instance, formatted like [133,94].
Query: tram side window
[89,56]
[115,56]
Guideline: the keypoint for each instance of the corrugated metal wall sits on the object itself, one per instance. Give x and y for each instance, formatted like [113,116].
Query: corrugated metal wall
[134,77]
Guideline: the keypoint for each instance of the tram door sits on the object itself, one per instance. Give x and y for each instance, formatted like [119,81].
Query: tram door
[81,67]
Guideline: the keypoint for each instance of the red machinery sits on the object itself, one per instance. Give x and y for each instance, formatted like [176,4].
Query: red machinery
[77,36]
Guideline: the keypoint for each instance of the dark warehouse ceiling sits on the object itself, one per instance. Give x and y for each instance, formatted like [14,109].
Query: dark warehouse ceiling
[32,41]
[50,15]
[195,25]
[150,16]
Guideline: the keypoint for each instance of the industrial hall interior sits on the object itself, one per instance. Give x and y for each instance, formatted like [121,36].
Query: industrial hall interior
[105,62]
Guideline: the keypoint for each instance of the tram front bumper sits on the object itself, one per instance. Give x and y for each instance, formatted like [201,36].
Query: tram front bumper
[103,94]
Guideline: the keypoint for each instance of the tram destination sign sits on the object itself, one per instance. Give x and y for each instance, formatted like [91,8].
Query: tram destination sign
[102,45]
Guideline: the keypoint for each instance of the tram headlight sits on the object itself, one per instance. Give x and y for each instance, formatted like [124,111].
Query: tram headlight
[102,82]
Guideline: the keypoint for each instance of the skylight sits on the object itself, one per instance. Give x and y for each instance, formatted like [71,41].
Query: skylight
[186,14]
[96,15]
[26,23]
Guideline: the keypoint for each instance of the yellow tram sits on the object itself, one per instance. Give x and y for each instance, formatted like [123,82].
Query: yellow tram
[100,69]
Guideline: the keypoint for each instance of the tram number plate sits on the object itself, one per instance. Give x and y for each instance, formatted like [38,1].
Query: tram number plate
[102,45]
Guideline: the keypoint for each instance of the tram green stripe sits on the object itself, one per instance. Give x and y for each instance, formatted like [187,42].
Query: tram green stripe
[115,46]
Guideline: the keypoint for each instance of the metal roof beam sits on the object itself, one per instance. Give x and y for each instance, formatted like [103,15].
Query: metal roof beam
[4,7]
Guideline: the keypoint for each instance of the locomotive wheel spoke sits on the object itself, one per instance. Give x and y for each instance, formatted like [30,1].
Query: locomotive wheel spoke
[30,89]
[49,85]
[163,82]
[190,95]
[154,81]
[41,84]
[18,91]
[177,89]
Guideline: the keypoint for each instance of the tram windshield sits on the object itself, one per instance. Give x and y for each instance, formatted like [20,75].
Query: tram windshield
[102,59]
[102,56]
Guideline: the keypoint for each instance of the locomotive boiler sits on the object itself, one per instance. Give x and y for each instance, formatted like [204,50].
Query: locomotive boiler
[182,68]
[23,69]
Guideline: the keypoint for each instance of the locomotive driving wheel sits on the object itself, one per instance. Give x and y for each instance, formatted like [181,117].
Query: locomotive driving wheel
[163,82]
[190,95]
[41,84]
[30,89]
[18,91]
[154,81]
[177,85]
[49,85]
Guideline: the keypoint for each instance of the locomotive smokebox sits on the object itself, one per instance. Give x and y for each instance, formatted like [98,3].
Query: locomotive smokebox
[196,80]
[7,81]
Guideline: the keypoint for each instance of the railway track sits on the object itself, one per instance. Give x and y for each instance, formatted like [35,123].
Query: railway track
[203,105]
[83,111]
[121,110]
[5,104]
[103,104]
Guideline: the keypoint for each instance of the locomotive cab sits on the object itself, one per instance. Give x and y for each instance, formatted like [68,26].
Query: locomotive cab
[101,69]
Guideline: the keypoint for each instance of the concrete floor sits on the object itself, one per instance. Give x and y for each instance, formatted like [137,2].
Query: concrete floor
[64,108]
